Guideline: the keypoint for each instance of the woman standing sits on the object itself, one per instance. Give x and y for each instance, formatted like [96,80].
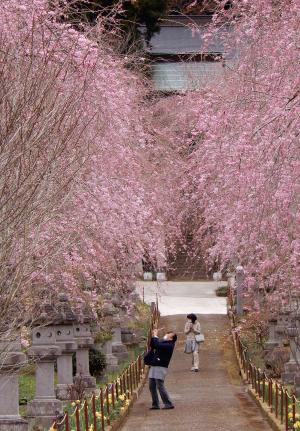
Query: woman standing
[191,329]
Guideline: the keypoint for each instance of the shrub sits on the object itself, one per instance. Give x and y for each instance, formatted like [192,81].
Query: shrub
[222,291]
[97,362]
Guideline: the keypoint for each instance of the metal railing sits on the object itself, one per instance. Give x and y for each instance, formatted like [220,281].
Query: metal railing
[98,411]
[282,404]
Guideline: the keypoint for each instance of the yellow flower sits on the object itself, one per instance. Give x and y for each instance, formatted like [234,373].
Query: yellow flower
[73,404]
[297,416]
[77,401]
[122,409]
[91,428]
[98,415]
[52,429]
[127,402]
[290,415]
[122,397]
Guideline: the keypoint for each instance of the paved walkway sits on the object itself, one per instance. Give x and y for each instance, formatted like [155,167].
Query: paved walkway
[213,399]
[177,297]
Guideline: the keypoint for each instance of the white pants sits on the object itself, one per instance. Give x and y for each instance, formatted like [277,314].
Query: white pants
[195,353]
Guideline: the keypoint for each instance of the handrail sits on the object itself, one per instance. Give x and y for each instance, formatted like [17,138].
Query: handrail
[282,404]
[97,412]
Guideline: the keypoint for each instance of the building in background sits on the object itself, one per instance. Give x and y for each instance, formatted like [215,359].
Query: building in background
[181,59]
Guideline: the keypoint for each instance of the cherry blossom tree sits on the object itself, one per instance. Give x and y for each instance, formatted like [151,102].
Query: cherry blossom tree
[81,195]
[243,200]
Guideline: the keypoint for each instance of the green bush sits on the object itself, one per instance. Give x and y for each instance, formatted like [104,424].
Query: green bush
[97,362]
[222,291]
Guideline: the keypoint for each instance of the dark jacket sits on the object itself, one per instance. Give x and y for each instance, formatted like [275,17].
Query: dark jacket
[164,351]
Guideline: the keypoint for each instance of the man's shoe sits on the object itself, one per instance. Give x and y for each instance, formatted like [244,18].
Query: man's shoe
[168,407]
[193,369]
[154,408]
[196,370]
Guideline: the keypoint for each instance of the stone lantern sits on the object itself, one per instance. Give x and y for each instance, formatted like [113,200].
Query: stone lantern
[12,359]
[43,409]
[118,348]
[65,339]
[108,311]
[84,341]
[283,322]
[112,319]
[295,300]
[272,342]
[116,301]
[291,367]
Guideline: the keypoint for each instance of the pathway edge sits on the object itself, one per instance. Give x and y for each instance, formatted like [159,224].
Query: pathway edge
[265,410]
[116,425]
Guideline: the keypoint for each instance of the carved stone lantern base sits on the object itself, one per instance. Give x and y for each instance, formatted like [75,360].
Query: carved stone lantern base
[290,370]
[40,412]
[111,363]
[119,350]
[62,391]
[13,424]
[11,360]
[89,383]
[287,378]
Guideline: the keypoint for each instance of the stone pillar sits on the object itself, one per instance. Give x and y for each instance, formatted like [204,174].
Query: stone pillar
[111,359]
[84,340]
[65,340]
[82,361]
[291,367]
[240,276]
[283,322]
[11,360]
[64,370]
[44,408]
[217,276]
[161,276]
[295,301]
[148,276]
[118,348]
[272,342]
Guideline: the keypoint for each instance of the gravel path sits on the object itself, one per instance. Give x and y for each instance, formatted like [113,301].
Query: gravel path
[213,399]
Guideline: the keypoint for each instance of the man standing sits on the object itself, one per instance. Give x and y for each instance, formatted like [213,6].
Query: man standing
[163,351]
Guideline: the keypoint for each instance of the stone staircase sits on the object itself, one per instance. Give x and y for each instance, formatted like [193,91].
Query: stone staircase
[186,265]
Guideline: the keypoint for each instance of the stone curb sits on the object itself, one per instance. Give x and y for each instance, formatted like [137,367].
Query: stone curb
[117,423]
[264,408]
